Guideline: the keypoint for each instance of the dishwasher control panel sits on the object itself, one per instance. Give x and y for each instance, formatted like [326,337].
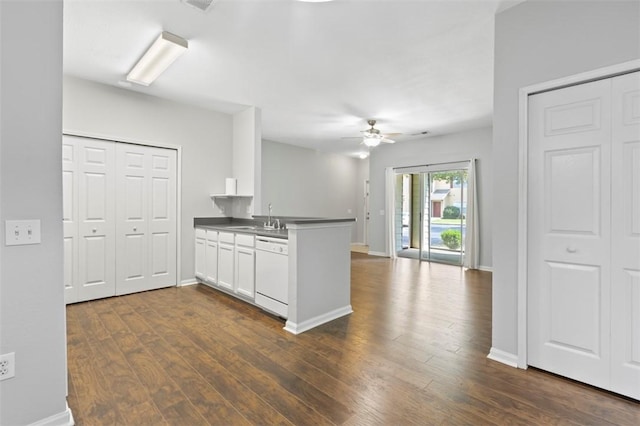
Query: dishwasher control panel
[273,245]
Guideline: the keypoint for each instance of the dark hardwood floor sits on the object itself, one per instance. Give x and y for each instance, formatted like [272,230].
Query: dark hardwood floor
[413,352]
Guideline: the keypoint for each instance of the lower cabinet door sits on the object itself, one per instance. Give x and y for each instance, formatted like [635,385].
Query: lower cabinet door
[212,261]
[245,271]
[225,266]
[201,259]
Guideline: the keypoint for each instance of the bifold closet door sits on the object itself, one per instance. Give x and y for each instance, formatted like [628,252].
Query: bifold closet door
[583,277]
[146,218]
[88,218]
[625,232]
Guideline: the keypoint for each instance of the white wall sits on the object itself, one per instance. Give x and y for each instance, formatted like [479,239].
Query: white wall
[303,182]
[539,41]
[436,149]
[32,314]
[205,137]
[246,161]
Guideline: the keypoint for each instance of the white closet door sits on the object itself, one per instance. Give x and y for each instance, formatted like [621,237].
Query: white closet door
[96,218]
[569,242]
[162,217]
[146,218]
[625,253]
[70,217]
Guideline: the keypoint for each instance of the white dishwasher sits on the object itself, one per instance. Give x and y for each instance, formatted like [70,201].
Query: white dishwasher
[272,274]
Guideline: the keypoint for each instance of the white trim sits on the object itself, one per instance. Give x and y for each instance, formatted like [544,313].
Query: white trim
[503,357]
[485,268]
[64,418]
[178,150]
[188,281]
[378,253]
[294,328]
[523,144]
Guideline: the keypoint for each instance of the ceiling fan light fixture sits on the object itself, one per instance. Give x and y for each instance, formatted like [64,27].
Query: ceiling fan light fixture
[162,53]
[372,140]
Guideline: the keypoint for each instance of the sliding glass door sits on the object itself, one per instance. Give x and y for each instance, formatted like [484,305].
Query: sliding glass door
[434,214]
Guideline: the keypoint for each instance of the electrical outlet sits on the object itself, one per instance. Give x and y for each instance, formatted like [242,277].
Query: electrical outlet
[7,365]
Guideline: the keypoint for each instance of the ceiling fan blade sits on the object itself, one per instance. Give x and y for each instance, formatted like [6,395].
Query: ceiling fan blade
[386,140]
[392,135]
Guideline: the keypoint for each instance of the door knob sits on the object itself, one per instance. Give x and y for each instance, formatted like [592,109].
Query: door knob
[135,229]
[94,230]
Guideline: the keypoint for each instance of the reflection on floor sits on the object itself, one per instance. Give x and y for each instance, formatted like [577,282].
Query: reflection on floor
[360,248]
[437,255]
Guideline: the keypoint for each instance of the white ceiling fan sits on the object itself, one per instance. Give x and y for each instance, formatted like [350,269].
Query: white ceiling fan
[372,137]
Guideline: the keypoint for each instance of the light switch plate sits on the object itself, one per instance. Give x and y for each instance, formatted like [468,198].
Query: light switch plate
[22,232]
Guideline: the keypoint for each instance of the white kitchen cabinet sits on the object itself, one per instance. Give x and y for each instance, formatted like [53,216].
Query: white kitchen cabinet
[201,257]
[211,257]
[245,260]
[226,248]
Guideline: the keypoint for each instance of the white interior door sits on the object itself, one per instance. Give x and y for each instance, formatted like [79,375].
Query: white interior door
[162,254]
[146,218]
[96,218]
[569,238]
[70,218]
[625,251]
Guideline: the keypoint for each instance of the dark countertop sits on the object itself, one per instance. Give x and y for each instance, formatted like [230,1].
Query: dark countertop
[229,224]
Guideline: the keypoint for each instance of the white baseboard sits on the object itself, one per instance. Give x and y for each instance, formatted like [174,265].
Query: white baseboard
[503,357]
[294,328]
[378,253]
[188,281]
[64,418]
[485,268]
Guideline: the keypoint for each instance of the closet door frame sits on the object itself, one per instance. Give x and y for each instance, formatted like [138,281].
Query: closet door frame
[523,149]
[178,150]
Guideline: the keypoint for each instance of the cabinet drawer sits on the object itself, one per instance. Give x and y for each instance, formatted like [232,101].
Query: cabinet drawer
[245,240]
[226,237]
[201,233]
[212,235]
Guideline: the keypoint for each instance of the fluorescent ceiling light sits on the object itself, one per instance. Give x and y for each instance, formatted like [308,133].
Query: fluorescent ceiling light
[160,55]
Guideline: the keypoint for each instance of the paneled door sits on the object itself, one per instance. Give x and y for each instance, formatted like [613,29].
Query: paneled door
[70,218]
[583,229]
[146,218]
[89,218]
[625,232]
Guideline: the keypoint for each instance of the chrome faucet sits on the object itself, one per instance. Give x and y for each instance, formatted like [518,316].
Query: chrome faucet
[269,217]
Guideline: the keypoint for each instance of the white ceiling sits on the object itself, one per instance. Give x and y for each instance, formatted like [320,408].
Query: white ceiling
[317,70]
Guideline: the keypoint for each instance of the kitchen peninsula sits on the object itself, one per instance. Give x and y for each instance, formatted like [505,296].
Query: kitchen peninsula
[315,276]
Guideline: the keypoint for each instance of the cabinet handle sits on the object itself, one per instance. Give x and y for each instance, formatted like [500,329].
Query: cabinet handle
[94,230]
[135,229]
[572,249]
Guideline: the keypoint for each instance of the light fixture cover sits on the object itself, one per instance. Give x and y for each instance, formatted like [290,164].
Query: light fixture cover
[372,140]
[162,53]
